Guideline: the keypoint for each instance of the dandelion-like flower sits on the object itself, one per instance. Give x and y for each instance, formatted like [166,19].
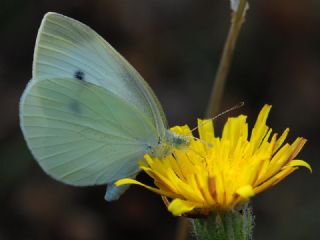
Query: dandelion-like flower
[219,174]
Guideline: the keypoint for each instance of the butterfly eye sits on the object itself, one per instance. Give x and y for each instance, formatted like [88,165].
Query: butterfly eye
[79,75]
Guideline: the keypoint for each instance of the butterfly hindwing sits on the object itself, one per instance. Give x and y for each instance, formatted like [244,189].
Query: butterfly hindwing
[81,133]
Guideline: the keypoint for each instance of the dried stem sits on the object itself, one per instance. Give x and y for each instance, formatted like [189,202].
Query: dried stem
[225,61]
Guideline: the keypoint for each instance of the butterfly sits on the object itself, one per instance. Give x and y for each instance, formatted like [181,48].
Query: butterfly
[87,115]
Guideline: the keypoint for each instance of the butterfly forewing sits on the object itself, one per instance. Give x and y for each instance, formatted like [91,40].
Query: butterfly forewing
[66,48]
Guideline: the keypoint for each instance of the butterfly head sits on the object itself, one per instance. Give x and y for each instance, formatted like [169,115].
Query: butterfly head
[167,144]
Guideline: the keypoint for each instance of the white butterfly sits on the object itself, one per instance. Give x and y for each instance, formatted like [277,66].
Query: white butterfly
[87,115]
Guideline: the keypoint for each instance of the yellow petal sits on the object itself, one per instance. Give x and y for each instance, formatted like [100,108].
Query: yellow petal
[274,179]
[300,163]
[182,130]
[246,191]
[206,130]
[281,139]
[132,181]
[178,206]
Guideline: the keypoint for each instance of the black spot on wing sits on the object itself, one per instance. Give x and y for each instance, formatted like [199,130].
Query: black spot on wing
[79,75]
[75,107]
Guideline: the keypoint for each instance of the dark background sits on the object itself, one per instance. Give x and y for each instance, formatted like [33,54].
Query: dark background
[175,45]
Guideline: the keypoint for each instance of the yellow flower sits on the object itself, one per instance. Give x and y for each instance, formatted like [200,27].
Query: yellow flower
[219,174]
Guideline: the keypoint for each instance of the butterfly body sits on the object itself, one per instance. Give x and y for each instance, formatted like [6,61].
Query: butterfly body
[87,115]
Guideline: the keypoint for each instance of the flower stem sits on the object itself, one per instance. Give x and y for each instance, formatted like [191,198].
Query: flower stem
[182,228]
[237,20]
[232,225]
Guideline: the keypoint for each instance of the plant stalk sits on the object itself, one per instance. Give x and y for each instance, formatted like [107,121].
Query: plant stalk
[237,20]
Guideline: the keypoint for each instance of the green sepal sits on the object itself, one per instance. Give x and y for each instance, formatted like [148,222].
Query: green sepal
[231,225]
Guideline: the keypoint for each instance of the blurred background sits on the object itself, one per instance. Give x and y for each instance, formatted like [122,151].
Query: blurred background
[176,46]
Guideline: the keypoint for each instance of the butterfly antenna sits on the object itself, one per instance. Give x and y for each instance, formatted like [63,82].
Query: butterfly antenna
[239,105]
[200,140]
